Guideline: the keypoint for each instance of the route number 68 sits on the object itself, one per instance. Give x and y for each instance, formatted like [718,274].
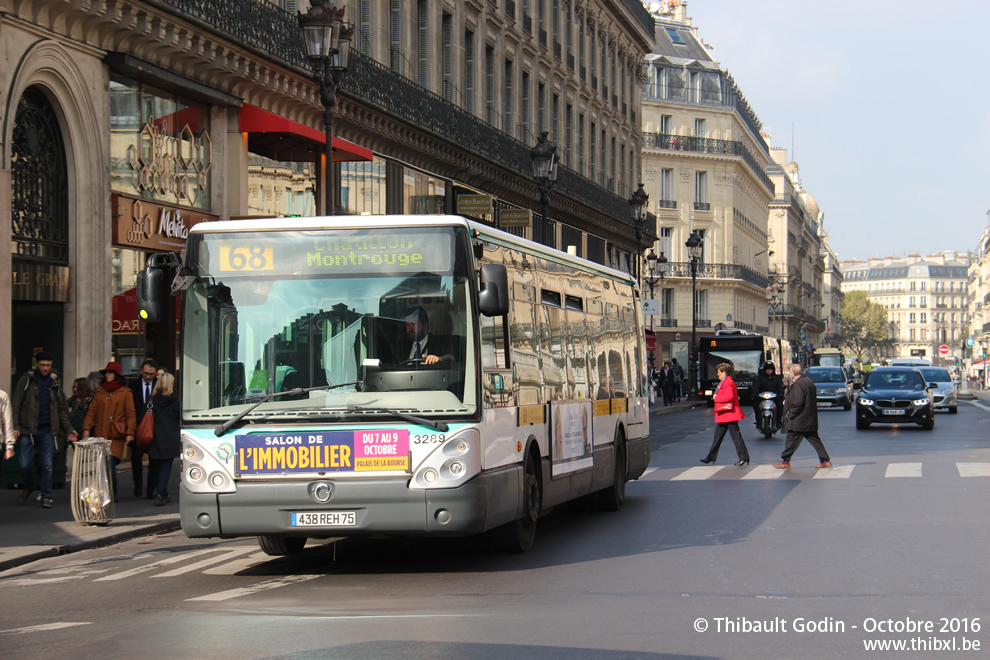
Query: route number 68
[239,257]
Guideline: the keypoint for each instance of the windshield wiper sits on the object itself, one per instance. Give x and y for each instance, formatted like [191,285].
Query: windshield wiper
[230,423]
[439,426]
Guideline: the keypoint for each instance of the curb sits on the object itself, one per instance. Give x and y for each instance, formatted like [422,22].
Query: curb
[124,535]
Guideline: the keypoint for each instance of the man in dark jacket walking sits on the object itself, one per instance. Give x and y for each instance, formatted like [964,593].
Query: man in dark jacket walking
[801,419]
[141,391]
[41,418]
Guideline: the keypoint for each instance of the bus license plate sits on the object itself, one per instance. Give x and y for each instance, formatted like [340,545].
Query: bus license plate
[325,519]
[893,412]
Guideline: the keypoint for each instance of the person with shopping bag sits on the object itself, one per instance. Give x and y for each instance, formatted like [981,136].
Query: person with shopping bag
[111,416]
[166,444]
[728,414]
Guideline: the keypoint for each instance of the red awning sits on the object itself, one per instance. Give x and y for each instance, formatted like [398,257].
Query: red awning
[283,139]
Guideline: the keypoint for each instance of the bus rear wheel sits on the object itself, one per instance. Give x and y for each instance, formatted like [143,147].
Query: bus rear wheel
[613,497]
[279,546]
[519,535]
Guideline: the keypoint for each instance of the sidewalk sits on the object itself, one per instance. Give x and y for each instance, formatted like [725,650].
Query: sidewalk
[28,532]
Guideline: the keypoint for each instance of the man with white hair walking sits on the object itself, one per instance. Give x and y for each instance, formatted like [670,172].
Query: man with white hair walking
[801,419]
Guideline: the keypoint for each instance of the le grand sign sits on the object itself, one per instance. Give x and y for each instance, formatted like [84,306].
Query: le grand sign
[143,224]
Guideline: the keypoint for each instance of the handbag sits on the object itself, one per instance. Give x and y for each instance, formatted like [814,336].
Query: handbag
[725,407]
[118,430]
[146,429]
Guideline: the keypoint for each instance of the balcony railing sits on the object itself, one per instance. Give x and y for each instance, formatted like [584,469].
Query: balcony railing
[543,37]
[527,24]
[702,206]
[557,50]
[667,323]
[667,204]
[708,146]
[510,9]
[719,271]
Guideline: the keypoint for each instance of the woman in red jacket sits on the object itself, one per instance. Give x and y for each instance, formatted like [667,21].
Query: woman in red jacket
[728,412]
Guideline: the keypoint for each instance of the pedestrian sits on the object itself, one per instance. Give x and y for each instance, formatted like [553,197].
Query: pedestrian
[801,419]
[41,424]
[165,447]
[678,380]
[142,393]
[728,414]
[7,425]
[111,416]
[79,403]
[667,383]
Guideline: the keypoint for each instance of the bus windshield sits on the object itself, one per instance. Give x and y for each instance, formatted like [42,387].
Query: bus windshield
[273,313]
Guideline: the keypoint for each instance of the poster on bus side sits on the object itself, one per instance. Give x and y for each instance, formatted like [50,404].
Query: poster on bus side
[571,442]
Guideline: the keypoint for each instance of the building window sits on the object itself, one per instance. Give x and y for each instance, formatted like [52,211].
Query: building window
[469,71]
[924,300]
[666,121]
[395,35]
[667,189]
[446,28]
[527,134]
[701,191]
[924,317]
[912,302]
[508,126]
[912,285]
[675,36]
[911,317]
[700,128]
[491,114]
[423,43]
[665,242]
[667,304]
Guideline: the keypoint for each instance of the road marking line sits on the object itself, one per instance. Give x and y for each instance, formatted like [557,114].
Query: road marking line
[837,472]
[182,556]
[978,405]
[254,588]
[230,554]
[697,473]
[648,472]
[895,470]
[239,565]
[44,627]
[764,472]
[973,469]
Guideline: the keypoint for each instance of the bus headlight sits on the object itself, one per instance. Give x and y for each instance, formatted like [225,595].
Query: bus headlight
[203,471]
[450,464]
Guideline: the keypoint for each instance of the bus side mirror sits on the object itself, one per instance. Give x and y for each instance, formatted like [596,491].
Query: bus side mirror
[493,298]
[150,294]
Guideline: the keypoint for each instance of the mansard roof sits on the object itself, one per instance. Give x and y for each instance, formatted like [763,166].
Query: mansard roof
[691,49]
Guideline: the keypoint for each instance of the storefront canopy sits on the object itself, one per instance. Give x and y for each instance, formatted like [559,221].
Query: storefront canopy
[282,139]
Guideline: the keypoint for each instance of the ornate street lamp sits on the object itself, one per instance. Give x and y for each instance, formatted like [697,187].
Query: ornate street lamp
[774,301]
[544,160]
[656,268]
[637,206]
[694,245]
[328,45]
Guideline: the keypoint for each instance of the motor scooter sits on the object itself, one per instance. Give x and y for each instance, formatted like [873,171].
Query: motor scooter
[766,421]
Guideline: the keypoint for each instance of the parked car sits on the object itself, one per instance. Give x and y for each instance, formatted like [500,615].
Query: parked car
[895,395]
[945,388]
[834,386]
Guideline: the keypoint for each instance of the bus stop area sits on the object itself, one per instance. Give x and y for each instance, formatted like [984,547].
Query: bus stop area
[29,532]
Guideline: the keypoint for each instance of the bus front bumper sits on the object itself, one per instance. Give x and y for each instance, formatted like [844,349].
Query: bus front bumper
[379,506]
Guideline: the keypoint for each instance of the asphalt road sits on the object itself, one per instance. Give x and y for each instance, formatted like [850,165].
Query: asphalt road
[703,561]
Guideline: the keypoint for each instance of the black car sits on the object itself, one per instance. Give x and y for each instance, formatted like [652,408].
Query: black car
[895,395]
[833,385]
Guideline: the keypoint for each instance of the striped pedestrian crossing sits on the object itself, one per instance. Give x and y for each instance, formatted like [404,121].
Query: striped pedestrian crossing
[907,470]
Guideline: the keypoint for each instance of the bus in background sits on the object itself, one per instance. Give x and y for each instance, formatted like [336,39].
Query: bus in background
[745,351]
[828,357]
[399,375]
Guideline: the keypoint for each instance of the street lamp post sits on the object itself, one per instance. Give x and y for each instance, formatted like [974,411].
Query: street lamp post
[544,160]
[637,208]
[774,301]
[328,45]
[694,245]
[656,268]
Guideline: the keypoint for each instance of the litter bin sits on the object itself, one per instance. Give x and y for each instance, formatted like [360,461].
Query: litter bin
[92,493]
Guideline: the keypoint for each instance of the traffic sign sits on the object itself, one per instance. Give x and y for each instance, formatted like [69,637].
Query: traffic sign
[943,350]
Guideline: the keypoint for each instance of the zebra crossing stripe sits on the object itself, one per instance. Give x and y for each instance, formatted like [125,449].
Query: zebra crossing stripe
[209,561]
[238,565]
[973,469]
[45,626]
[764,472]
[895,470]
[254,588]
[697,473]
[182,556]
[837,472]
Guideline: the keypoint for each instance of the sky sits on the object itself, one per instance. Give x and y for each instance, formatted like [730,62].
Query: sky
[889,105]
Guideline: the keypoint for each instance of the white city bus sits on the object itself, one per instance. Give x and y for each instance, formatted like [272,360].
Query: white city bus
[305,414]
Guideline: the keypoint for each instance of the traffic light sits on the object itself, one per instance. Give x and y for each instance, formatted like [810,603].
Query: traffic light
[150,294]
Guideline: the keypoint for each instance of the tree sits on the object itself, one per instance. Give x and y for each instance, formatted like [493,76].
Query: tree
[864,323]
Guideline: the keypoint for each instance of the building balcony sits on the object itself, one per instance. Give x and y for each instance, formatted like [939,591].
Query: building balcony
[718,271]
[667,204]
[702,206]
[708,146]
